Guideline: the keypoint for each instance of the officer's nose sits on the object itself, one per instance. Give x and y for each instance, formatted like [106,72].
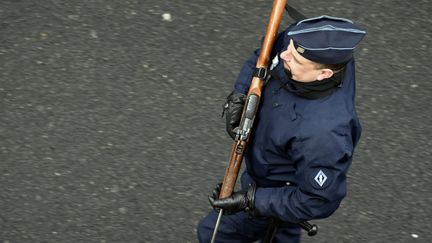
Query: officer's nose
[286,56]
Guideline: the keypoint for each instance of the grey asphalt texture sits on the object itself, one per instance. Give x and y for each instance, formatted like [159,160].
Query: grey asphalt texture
[110,127]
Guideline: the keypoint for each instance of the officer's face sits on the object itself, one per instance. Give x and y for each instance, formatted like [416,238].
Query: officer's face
[302,69]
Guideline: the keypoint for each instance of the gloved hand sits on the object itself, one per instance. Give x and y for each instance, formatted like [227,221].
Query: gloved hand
[233,109]
[239,201]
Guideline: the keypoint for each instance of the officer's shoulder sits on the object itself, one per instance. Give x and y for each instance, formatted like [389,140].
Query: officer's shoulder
[328,116]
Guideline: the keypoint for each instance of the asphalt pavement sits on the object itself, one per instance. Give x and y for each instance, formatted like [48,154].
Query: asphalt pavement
[111,128]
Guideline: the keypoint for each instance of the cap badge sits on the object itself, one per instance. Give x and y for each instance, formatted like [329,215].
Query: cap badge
[300,49]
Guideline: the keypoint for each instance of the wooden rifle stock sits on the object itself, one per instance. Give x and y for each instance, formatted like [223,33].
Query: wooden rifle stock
[252,102]
[249,113]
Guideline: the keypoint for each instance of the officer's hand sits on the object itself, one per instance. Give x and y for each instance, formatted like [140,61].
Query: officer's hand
[233,109]
[239,201]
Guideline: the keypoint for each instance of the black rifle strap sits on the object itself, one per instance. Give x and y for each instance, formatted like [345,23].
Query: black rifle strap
[294,14]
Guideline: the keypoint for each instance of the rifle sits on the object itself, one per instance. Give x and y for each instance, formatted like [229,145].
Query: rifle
[250,110]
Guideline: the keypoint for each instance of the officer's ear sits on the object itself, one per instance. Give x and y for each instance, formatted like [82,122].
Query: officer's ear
[324,73]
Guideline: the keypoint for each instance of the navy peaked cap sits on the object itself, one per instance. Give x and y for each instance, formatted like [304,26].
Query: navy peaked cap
[326,39]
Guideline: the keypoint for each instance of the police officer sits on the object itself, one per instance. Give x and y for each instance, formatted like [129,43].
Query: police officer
[304,135]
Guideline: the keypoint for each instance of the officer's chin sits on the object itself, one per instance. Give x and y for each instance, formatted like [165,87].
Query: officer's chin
[288,73]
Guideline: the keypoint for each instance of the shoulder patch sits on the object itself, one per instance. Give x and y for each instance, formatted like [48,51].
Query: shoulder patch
[320,178]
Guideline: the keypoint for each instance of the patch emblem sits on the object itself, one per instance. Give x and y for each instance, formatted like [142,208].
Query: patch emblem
[320,178]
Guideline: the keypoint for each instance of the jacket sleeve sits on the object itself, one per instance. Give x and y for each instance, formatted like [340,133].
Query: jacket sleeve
[244,78]
[322,160]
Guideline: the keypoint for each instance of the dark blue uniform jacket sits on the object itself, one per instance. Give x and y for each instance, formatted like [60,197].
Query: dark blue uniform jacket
[306,142]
